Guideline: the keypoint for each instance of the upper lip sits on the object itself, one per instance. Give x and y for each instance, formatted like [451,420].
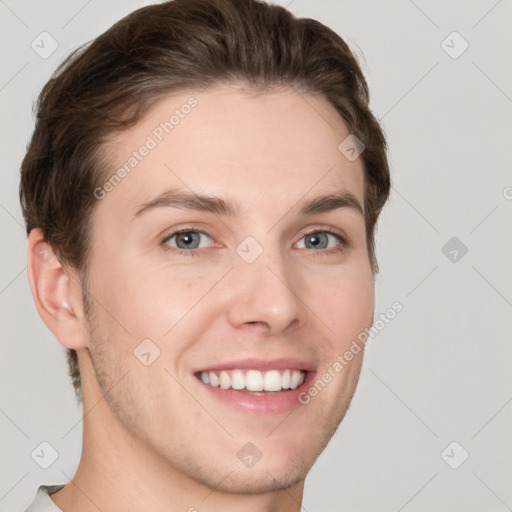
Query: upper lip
[283,363]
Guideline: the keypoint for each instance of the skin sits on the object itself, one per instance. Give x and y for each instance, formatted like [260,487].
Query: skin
[153,438]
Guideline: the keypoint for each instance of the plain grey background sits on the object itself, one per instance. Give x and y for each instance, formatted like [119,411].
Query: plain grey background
[440,372]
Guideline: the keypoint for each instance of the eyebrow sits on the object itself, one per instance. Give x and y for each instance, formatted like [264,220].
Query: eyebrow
[176,198]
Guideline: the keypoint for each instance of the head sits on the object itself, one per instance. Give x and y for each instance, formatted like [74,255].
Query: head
[241,109]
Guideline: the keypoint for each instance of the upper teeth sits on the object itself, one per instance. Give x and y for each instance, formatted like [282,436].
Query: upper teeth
[254,380]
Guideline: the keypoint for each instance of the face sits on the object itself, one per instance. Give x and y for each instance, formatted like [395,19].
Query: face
[231,266]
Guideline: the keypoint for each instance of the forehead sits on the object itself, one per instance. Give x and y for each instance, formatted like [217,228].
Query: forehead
[256,149]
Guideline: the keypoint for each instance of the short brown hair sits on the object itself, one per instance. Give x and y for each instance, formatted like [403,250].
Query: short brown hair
[108,84]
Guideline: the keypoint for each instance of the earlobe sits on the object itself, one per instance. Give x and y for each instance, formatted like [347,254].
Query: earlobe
[56,297]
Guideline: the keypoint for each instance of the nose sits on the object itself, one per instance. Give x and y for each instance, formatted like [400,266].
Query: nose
[265,295]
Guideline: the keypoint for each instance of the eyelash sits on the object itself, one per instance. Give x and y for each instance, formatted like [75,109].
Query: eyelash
[344,243]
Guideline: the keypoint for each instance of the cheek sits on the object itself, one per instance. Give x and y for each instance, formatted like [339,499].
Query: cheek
[153,301]
[346,305]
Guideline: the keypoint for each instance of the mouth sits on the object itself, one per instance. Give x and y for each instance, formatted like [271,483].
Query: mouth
[254,381]
[257,385]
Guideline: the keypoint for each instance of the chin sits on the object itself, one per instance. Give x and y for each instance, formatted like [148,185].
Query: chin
[264,479]
[270,473]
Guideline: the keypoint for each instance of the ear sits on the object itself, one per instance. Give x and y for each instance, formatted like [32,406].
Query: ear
[57,293]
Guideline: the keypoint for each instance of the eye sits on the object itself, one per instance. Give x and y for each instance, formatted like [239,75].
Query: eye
[323,240]
[187,239]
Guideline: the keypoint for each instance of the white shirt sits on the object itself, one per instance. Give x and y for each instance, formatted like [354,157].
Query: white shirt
[42,502]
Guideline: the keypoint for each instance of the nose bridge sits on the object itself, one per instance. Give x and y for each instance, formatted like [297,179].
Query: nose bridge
[264,286]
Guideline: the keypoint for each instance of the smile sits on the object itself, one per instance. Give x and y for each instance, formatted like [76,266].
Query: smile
[254,380]
[256,385]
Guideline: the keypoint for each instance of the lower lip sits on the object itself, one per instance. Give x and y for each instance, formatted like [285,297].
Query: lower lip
[272,403]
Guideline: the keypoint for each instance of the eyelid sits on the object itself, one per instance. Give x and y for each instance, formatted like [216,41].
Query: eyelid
[185,229]
[326,229]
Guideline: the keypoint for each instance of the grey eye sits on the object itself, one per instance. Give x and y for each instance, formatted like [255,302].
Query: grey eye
[187,240]
[319,240]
